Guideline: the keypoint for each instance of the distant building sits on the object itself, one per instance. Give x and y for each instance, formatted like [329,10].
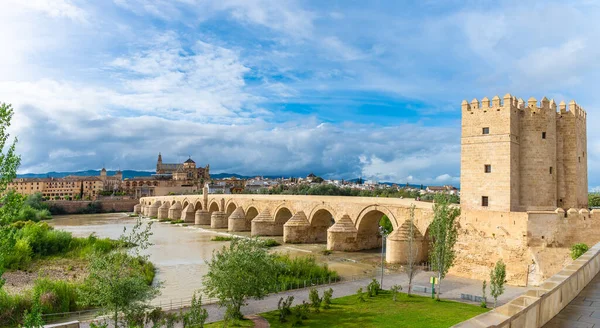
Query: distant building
[70,187]
[185,171]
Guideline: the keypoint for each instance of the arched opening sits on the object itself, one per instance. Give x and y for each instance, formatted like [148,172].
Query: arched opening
[230,208]
[185,204]
[214,207]
[172,202]
[251,213]
[281,217]
[198,206]
[369,236]
[319,223]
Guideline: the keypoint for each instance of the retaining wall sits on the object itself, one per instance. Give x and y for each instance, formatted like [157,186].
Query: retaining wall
[540,304]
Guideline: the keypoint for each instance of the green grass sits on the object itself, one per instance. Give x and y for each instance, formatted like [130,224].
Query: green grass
[380,311]
[270,242]
[164,220]
[221,238]
[177,221]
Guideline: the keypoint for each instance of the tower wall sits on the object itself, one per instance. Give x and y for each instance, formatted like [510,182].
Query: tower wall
[538,135]
[499,149]
[573,185]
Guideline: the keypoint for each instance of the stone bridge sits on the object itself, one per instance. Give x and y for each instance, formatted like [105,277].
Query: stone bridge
[343,223]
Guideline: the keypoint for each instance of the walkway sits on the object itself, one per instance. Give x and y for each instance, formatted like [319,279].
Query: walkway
[583,311]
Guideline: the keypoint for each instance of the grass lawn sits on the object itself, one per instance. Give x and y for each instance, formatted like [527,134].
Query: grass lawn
[381,311]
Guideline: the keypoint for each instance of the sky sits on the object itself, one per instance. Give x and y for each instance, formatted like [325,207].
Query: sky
[283,87]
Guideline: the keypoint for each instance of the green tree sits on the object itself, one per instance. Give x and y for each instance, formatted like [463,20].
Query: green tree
[593,199]
[578,249]
[483,295]
[2,280]
[443,231]
[244,269]
[114,282]
[9,162]
[497,279]
[196,315]
[386,225]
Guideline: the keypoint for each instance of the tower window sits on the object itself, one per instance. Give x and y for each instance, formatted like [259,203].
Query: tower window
[486,130]
[487,168]
[550,169]
[484,200]
[543,135]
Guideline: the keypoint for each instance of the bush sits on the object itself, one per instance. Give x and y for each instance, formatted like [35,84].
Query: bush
[270,243]
[295,272]
[578,249]
[373,288]
[300,313]
[360,295]
[327,298]
[395,289]
[177,221]
[315,300]
[56,296]
[284,308]
[12,307]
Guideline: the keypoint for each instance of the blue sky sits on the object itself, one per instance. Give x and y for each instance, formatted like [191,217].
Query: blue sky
[279,87]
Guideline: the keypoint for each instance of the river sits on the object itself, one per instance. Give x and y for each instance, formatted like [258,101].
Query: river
[180,253]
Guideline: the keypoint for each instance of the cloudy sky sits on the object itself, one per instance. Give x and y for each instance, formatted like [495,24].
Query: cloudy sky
[278,87]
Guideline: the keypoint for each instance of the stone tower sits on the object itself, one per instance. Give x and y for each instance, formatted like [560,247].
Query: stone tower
[159,163]
[518,156]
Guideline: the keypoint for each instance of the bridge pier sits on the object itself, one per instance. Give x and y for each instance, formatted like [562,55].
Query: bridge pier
[342,235]
[297,230]
[153,209]
[237,221]
[202,217]
[263,223]
[218,220]
[163,211]
[137,209]
[397,245]
[175,211]
[188,214]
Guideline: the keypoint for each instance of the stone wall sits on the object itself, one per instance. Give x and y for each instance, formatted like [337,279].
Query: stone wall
[117,205]
[538,305]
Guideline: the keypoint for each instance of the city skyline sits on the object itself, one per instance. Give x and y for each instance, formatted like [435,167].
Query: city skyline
[282,87]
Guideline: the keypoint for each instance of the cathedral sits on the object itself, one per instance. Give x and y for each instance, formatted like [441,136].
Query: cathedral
[185,171]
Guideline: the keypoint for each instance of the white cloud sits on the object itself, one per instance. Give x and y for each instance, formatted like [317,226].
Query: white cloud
[52,8]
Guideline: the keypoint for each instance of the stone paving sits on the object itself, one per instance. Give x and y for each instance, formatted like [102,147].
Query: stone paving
[583,311]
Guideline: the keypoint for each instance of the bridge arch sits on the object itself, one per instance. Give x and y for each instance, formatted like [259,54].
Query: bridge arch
[214,206]
[321,218]
[186,202]
[231,206]
[251,213]
[282,214]
[198,205]
[367,225]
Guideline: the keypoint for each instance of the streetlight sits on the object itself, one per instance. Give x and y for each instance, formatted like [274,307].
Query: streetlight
[383,234]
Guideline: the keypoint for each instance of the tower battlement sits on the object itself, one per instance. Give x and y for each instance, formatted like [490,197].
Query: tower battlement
[532,104]
[520,155]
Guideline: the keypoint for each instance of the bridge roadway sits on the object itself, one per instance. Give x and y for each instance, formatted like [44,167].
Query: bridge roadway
[344,223]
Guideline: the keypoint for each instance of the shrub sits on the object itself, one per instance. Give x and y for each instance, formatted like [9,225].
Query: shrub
[327,298]
[284,308]
[315,300]
[360,295]
[395,289]
[20,256]
[164,220]
[177,221]
[298,271]
[56,296]
[300,313]
[11,308]
[270,243]
[578,249]
[373,288]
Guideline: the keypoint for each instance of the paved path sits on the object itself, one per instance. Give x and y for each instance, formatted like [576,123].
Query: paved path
[259,322]
[583,311]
